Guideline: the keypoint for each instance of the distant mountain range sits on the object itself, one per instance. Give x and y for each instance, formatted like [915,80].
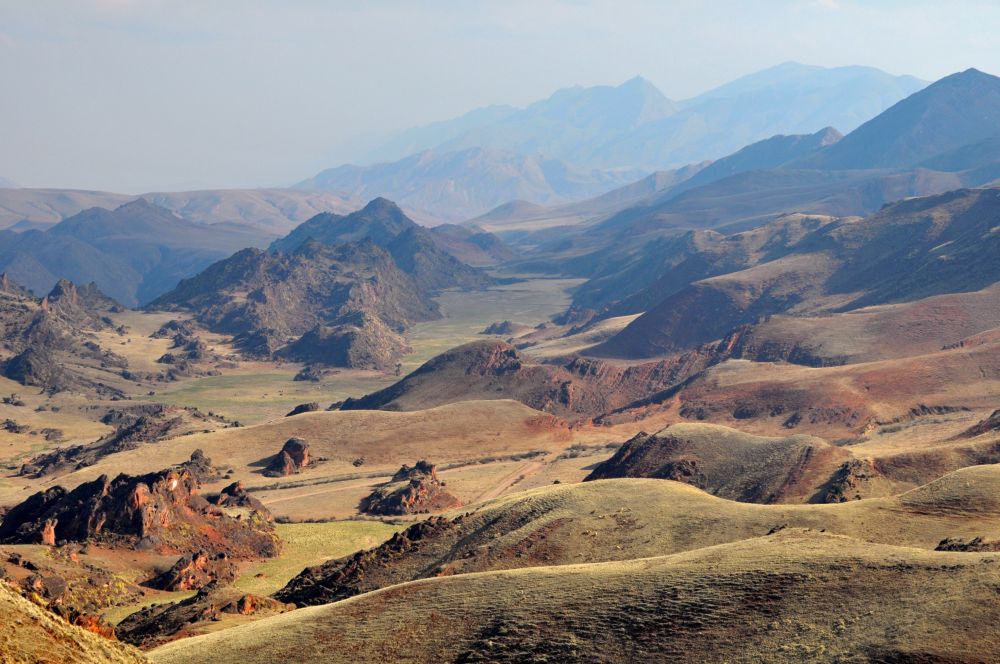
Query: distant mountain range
[635,126]
[627,253]
[133,253]
[271,211]
[582,142]
[7,184]
[457,185]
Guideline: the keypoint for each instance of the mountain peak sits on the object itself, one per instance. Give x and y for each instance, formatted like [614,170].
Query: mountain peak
[138,204]
[955,111]
[381,204]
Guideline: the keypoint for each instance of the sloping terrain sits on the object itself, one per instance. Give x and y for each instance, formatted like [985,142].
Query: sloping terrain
[365,443]
[730,464]
[963,154]
[415,249]
[624,519]
[52,344]
[29,633]
[634,125]
[668,264]
[938,244]
[837,401]
[428,255]
[272,297]
[357,340]
[780,598]
[953,112]
[472,245]
[272,211]
[493,369]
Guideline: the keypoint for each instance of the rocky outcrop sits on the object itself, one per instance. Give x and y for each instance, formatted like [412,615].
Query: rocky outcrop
[50,340]
[293,457]
[163,511]
[345,577]
[174,328]
[311,407]
[196,570]
[729,463]
[852,481]
[974,545]
[311,373]
[991,423]
[235,495]
[160,623]
[268,299]
[134,426]
[356,341]
[506,328]
[579,389]
[412,490]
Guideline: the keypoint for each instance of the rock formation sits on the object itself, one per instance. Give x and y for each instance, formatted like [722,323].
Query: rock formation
[303,408]
[410,491]
[358,341]
[154,625]
[161,510]
[345,577]
[991,423]
[737,466]
[134,426]
[506,328]
[293,457]
[196,570]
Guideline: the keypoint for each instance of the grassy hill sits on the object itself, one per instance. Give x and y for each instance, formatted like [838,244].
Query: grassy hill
[788,597]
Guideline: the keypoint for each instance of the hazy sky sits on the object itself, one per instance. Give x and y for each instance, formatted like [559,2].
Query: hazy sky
[135,95]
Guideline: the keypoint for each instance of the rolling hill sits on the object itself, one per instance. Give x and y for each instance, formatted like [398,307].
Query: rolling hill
[30,633]
[557,572]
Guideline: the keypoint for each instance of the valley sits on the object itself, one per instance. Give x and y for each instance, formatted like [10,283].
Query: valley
[608,376]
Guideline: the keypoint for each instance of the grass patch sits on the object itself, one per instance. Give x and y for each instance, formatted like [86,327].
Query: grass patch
[307,544]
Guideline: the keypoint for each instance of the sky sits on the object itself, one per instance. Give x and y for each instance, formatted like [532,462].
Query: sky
[146,95]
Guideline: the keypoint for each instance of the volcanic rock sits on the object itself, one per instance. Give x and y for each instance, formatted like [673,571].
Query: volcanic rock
[161,510]
[991,423]
[134,426]
[235,495]
[303,408]
[359,341]
[294,456]
[410,491]
[345,577]
[975,545]
[196,570]
[157,624]
[506,329]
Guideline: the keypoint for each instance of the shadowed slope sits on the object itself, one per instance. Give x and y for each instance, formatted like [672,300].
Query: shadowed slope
[778,599]
[633,518]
